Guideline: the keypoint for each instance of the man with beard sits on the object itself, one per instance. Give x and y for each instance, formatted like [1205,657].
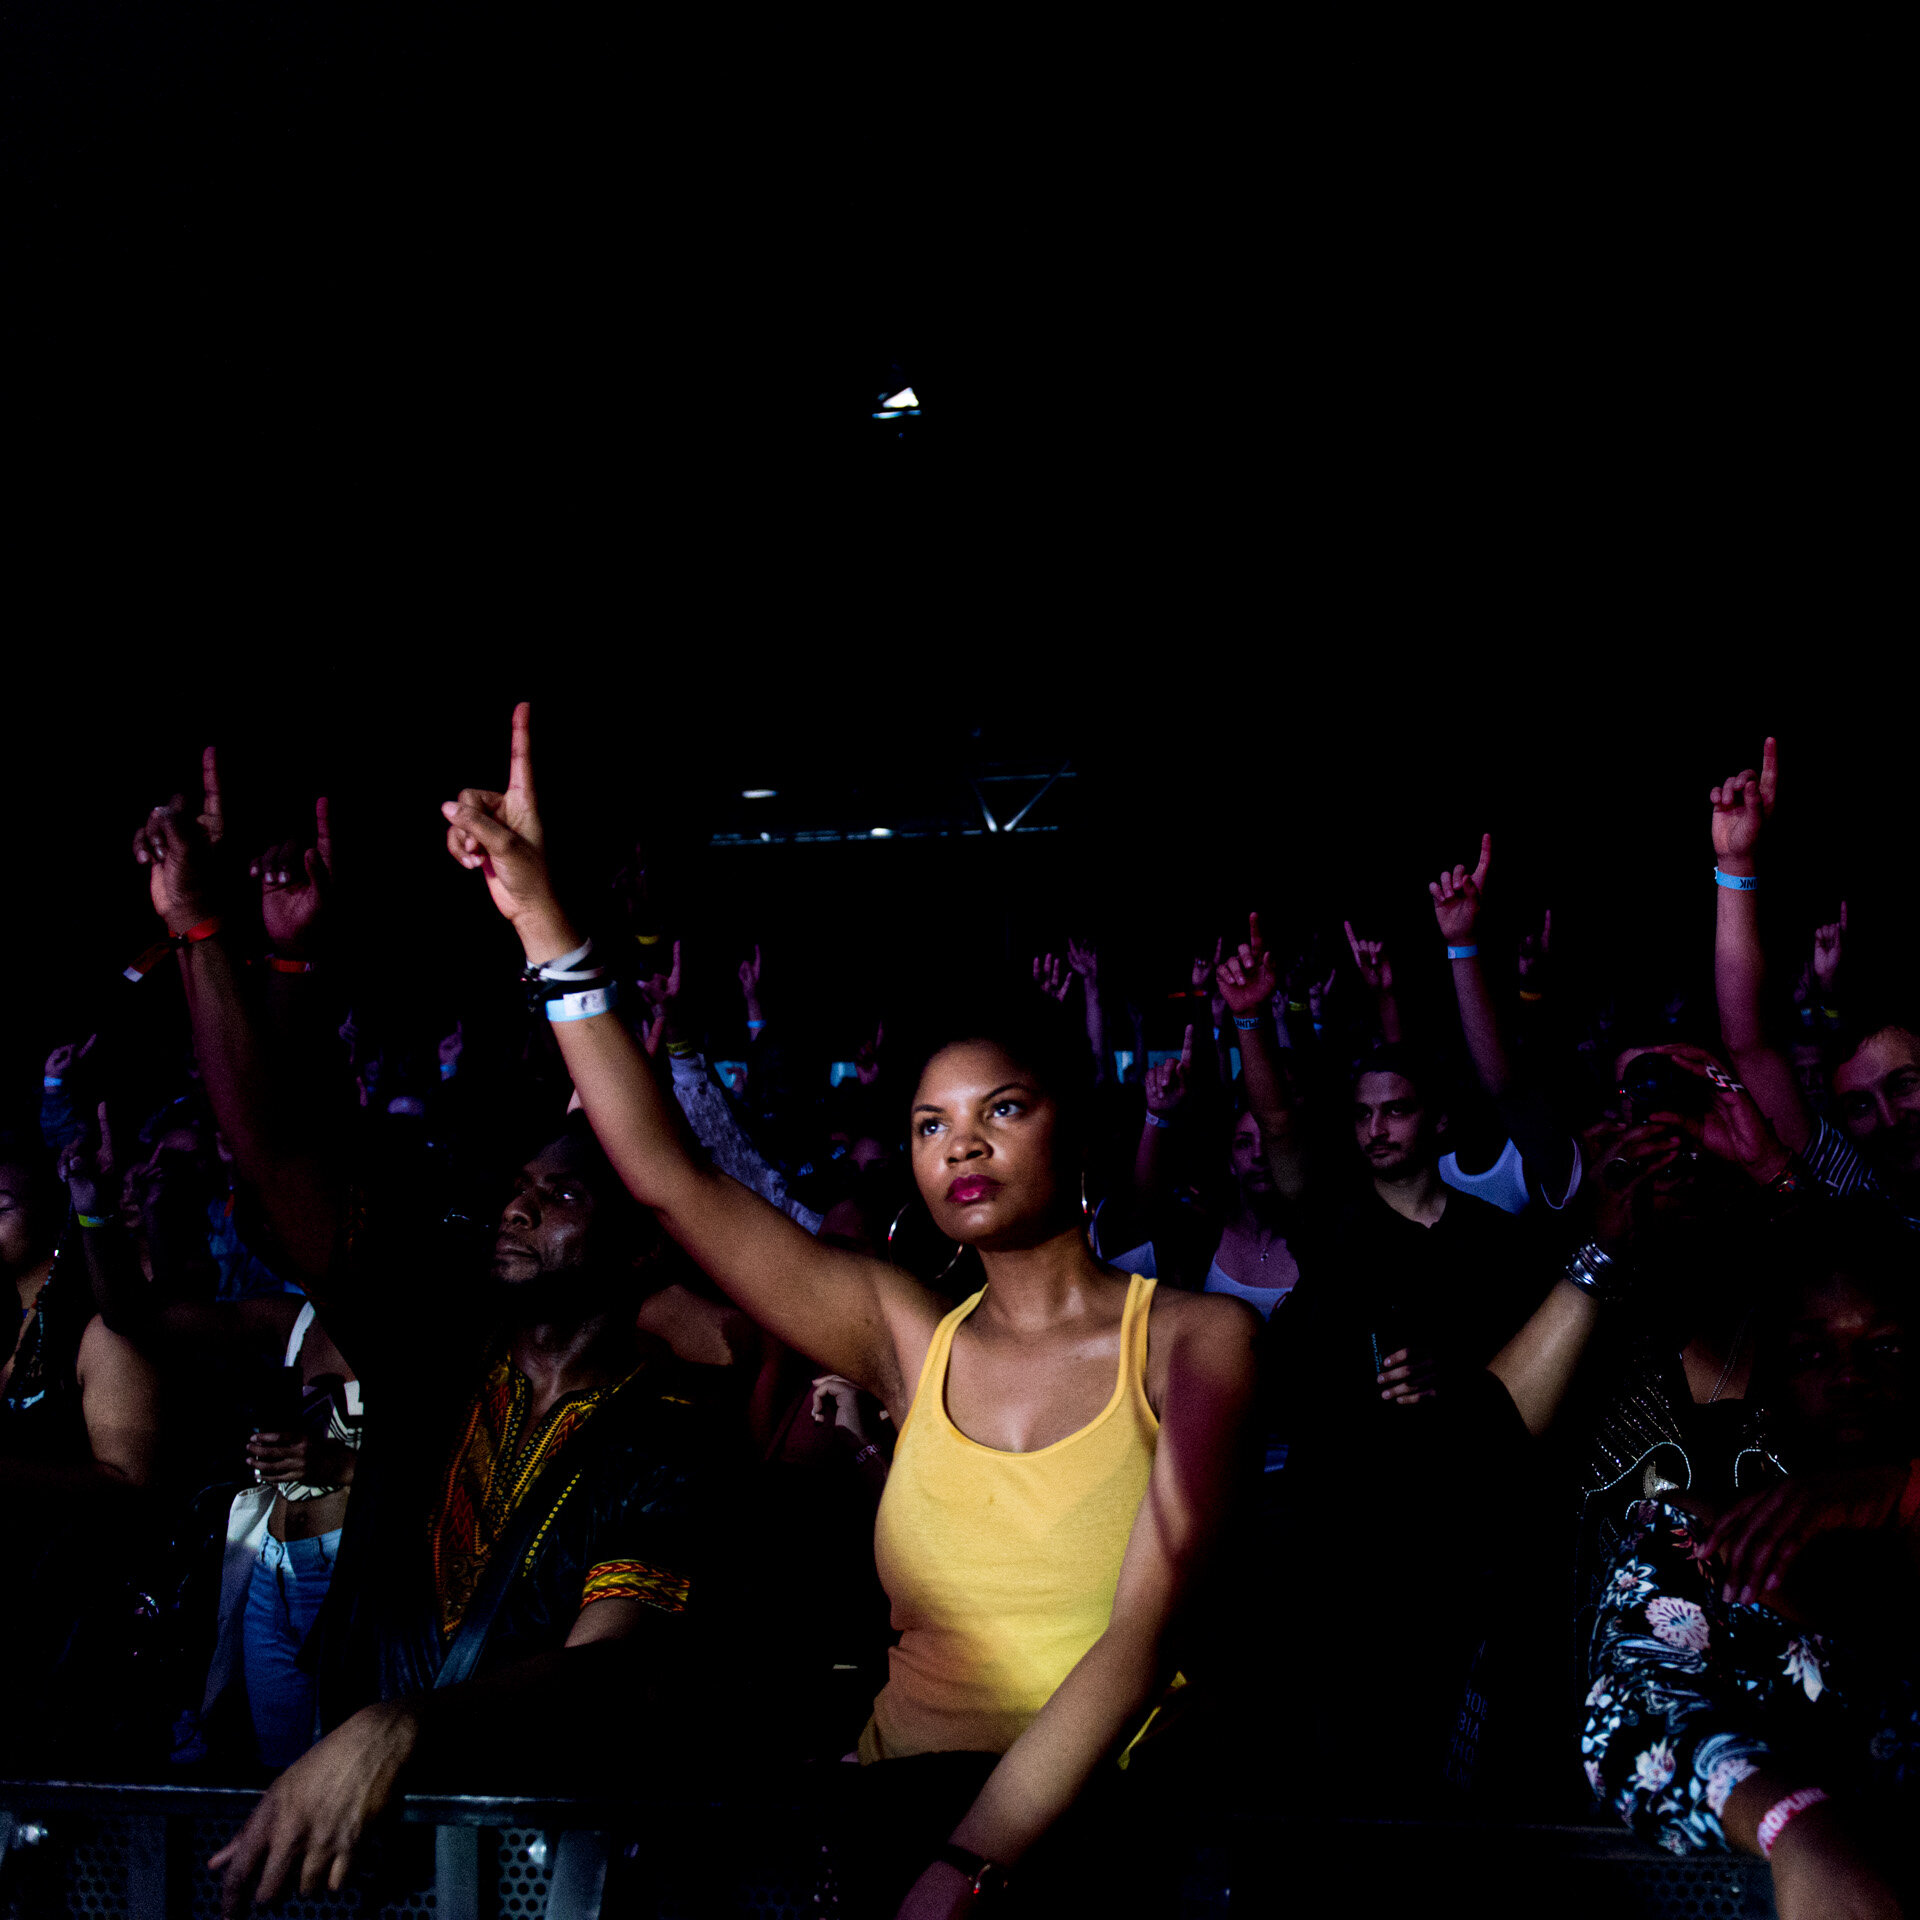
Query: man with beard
[520,1555]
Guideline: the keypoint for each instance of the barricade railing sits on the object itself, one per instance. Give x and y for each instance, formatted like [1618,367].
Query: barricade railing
[72,1848]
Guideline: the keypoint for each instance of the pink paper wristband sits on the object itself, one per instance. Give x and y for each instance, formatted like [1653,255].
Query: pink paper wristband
[1774,1821]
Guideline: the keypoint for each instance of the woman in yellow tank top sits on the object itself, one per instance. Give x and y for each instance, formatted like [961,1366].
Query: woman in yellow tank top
[1066,1436]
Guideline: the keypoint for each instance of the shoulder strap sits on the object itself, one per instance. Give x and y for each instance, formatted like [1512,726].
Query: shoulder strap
[534,1508]
[297,1338]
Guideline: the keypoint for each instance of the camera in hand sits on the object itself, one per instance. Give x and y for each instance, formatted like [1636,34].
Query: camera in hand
[1656,1083]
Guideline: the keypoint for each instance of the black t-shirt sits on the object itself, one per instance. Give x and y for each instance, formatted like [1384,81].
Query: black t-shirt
[1372,1282]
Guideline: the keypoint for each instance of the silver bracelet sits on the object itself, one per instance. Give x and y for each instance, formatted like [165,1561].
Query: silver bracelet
[1597,1273]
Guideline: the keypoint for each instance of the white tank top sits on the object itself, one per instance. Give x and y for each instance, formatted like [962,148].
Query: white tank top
[1262,1299]
[1504,1183]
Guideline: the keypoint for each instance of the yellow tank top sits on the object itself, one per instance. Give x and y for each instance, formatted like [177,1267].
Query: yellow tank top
[1001,1567]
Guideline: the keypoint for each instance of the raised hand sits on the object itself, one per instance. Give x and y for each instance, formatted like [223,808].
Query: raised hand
[294,887]
[1370,956]
[1052,976]
[451,1048]
[212,816]
[1828,942]
[1085,961]
[1742,805]
[174,849]
[835,1391]
[1319,992]
[1537,948]
[866,1057]
[63,1062]
[1246,978]
[1456,896]
[86,1165]
[500,835]
[663,989]
[750,983]
[1167,1083]
[1733,1128]
[1204,969]
[1622,1159]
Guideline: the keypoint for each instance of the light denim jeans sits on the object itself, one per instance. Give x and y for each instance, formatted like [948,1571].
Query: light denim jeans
[289,1581]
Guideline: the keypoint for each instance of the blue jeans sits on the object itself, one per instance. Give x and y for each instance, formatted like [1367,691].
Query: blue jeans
[289,1582]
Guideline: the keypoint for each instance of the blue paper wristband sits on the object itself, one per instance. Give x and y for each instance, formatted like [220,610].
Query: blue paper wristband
[581,1006]
[1245,1022]
[49,1079]
[1463,953]
[1157,1120]
[1736,882]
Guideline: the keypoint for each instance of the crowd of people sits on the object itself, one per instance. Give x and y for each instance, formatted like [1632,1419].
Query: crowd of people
[1507,1418]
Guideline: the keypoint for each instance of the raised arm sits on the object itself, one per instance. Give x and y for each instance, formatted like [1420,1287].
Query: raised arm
[1375,968]
[1547,1149]
[1085,961]
[1741,808]
[858,1316]
[1247,981]
[268,1145]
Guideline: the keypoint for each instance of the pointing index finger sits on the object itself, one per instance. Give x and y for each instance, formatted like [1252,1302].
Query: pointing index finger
[1486,860]
[1769,772]
[520,758]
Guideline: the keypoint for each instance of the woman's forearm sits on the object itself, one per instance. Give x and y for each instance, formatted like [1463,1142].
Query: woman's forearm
[1538,1364]
[1041,1775]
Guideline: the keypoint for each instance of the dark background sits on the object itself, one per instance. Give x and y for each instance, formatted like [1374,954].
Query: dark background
[1324,484]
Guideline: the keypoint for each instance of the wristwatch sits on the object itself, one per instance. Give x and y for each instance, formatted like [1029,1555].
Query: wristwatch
[989,1881]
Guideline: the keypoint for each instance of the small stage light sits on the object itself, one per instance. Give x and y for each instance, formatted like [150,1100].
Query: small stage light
[757,793]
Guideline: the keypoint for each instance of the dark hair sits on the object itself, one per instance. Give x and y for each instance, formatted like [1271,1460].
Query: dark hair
[1033,1032]
[1872,1021]
[1396,1056]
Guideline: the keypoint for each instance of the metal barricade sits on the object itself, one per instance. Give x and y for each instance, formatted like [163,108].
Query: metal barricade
[140,1852]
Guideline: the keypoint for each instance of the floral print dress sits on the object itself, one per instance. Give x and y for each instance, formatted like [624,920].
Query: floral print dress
[1691,1696]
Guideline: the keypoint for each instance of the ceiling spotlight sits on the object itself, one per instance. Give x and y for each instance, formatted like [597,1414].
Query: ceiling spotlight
[880,833]
[906,397]
[766,836]
[757,793]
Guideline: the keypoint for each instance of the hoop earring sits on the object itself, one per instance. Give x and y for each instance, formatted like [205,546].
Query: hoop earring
[959,1246]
